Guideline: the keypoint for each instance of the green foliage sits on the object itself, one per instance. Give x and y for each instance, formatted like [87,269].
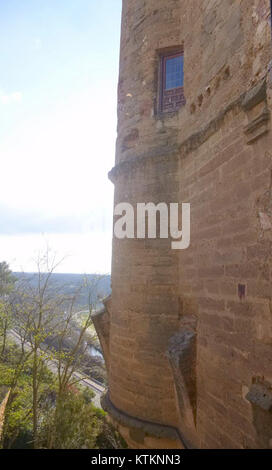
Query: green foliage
[19,417]
[68,422]
[7,279]
[76,424]
[5,318]
[44,409]
[5,313]
[6,374]
[73,424]
[87,394]
[109,437]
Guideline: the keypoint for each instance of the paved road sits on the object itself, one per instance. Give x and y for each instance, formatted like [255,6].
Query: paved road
[96,387]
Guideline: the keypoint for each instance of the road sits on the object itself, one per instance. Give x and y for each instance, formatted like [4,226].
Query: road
[96,387]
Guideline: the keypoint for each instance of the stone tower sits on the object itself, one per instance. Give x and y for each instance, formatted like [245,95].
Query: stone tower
[187,334]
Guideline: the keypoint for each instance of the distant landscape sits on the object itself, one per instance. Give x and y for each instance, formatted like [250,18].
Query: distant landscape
[52,370]
[67,284]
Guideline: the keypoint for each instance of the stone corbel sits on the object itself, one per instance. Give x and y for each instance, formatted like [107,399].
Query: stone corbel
[182,358]
[260,394]
[258,115]
[260,397]
[101,321]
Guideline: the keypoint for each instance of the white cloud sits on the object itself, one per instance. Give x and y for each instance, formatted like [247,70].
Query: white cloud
[14,97]
[54,168]
[81,253]
[62,158]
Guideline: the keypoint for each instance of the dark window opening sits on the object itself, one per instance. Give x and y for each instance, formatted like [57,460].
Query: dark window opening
[172,82]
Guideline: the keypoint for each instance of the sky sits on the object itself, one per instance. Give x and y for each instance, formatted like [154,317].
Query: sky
[58,91]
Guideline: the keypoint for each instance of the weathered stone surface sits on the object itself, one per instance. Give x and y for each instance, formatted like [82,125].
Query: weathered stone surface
[199,155]
[261,396]
[255,96]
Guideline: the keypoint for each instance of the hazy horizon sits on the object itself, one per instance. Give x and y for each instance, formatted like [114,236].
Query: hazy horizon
[64,274]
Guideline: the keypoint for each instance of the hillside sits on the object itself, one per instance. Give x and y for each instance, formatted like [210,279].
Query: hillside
[68,284]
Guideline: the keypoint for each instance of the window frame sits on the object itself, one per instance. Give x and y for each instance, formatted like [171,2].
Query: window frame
[164,56]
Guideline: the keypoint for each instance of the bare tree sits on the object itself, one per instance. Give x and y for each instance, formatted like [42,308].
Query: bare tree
[48,332]
[37,308]
[69,360]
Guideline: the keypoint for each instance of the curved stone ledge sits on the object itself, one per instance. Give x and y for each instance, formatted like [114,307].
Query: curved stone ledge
[256,95]
[152,429]
[245,101]
[157,153]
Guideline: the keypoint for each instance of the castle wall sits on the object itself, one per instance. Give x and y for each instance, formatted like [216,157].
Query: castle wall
[144,272]
[225,279]
[190,331]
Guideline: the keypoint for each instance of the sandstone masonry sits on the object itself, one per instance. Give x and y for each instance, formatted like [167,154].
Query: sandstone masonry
[187,335]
